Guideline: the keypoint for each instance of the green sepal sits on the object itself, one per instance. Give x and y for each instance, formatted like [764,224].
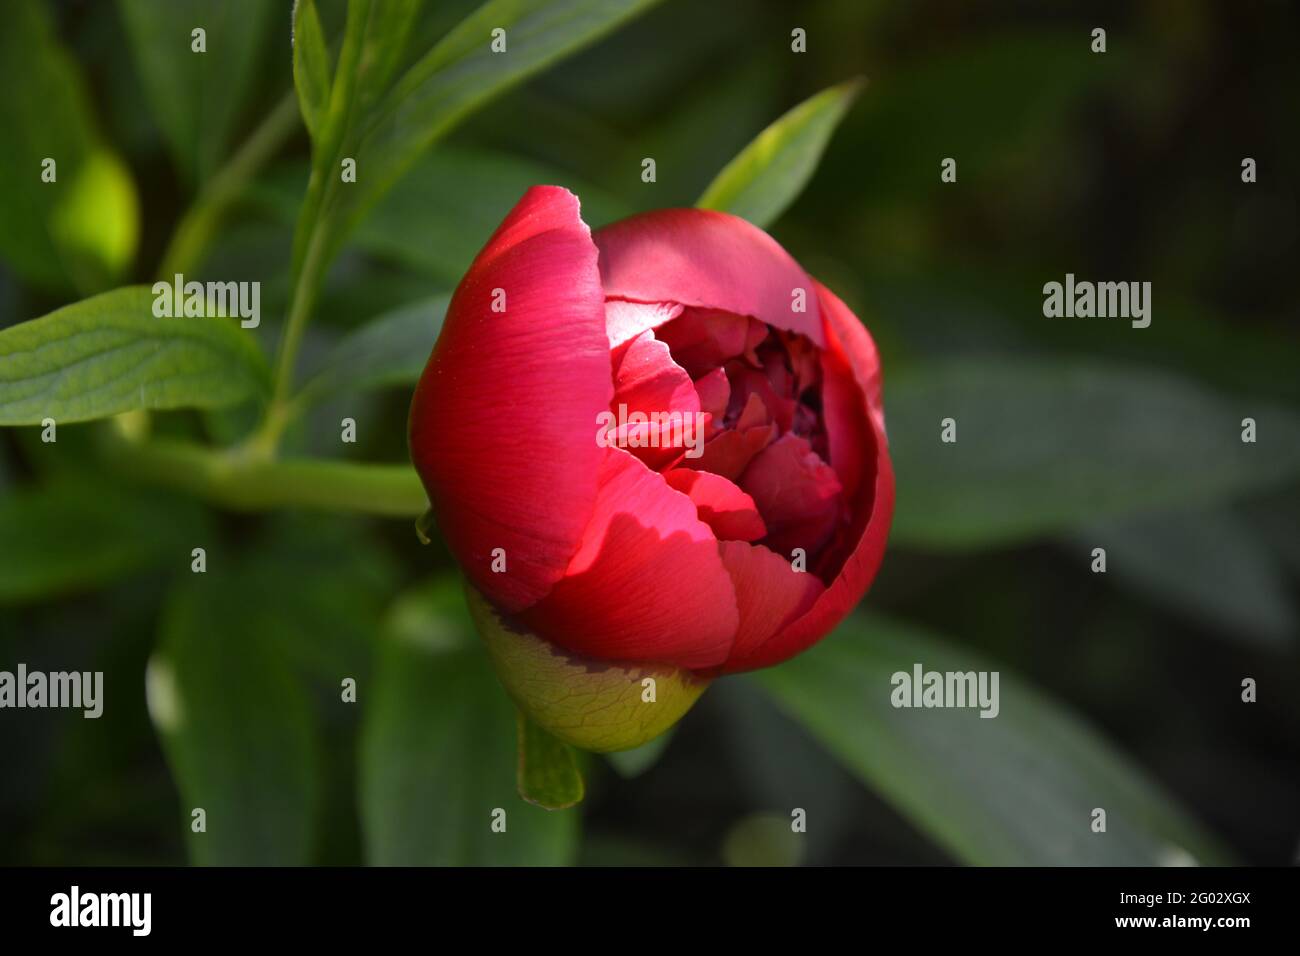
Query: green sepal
[422,526]
[603,706]
[548,774]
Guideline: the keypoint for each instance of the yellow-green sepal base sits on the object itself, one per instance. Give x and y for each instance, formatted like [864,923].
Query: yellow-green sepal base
[602,706]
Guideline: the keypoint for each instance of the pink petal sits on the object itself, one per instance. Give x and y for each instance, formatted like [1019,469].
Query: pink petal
[502,419]
[647,583]
[624,321]
[769,595]
[709,260]
[720,504]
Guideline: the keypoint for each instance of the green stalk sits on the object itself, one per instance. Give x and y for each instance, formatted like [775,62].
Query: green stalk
[190,240]
[243,483]
[304,300]
[314,246]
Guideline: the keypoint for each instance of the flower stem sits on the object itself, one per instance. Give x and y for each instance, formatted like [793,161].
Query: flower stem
[190,240]
[242,482]
[304,299]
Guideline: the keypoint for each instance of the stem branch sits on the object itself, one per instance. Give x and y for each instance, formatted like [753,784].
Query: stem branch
[190,240]
[242,482]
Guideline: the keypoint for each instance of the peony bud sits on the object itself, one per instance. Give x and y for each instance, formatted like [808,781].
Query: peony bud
[658,452]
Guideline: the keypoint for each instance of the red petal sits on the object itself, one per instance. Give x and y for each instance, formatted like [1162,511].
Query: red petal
[649,381]
[755,412]
[756,336]
[503,417]
[797,494]
[647,583]
[848,432]
[872,505]
[730,453]
[804,359]
[714,391]
[780,378]
[748,384]
[703,339]
[720,504]
[710,260]
[849,337]
[769,595]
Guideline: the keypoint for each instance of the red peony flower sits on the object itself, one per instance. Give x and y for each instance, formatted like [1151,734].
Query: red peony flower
[658,452]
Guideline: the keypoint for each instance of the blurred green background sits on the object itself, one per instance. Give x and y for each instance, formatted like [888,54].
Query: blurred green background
[1073,434]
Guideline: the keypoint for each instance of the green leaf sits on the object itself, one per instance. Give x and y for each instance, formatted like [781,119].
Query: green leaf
[391,349]
[197,97]
[1046,445]
[771,171]
[80,229]
[237,727]
[438,756]
[110,354]
[1017,789]
[373,39]
[382,29]
[1207,566]
[334,581]
[461,73]
[73,534]
[548,774]
[456,76]
[311,64]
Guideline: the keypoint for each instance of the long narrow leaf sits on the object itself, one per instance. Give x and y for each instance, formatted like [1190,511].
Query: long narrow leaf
[1020,787]
[771,171]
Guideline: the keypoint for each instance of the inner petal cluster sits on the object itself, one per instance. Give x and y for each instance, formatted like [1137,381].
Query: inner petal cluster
[757,465]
